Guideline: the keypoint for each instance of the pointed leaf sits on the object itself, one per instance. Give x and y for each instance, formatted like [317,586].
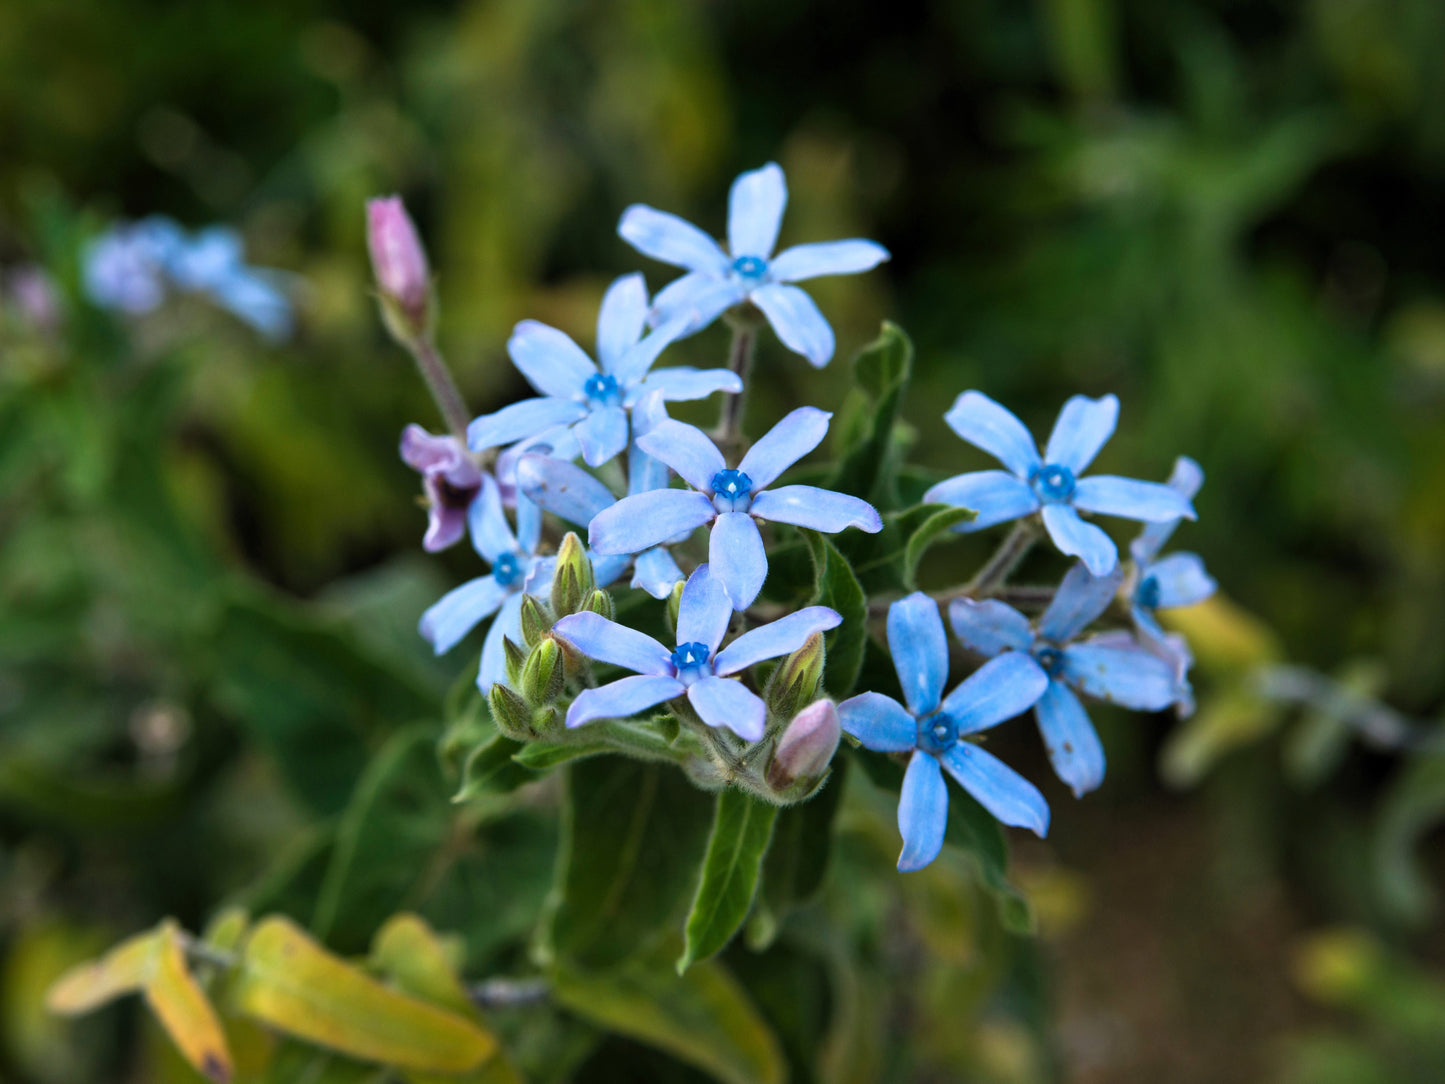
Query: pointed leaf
[742,827]
[123,970]
[941,520]
[797,858]
[181,1006]
[837,587]
[869,461]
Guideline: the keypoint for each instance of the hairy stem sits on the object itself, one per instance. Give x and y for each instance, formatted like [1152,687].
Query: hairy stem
[443,388]
[740,361]
[1013,549]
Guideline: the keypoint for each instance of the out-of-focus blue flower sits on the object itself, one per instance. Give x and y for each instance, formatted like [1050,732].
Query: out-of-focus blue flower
[695,668]
[730,500]
[747,271]
[450,480]
[126,268]
[1050,483]
[1112,667]
[516,569]
[591,400]
[932,726]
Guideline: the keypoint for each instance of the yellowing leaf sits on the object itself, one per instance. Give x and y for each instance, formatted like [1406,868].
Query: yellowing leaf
[181,1006]
[123,970]
[1224,636]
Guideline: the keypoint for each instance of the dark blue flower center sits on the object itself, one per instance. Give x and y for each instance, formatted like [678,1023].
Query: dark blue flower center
[602,389]
[1147,593]
[937,733]
[690,661]
[732,491]
[1051,659]
[1053,482]
[752,268]
[507,570]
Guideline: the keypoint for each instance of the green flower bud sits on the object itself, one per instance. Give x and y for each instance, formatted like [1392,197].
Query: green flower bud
[573,580]
[805,750]
[674,603]
[537,620]
[515,656]
[599,602]
[797,679]
[543,673]
[510,711]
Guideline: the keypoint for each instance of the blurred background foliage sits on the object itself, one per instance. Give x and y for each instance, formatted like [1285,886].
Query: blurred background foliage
[1228,211]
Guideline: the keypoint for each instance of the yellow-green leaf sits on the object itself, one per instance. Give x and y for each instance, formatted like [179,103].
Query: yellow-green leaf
[180,1005]
[123,970]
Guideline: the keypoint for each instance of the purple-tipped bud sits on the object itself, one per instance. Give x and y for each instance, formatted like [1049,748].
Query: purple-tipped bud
[397,257]
[806,748]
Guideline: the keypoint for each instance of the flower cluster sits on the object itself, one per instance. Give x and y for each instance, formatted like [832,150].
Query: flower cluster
[596,450]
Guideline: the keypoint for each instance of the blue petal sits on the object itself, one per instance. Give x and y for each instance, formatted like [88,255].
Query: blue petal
[656,572]
[621,319]
[994,428]
[879,722]
[784,444]
[1187,478]
[797,321]
[990,626]
[607,641]
[491,534]
[780,637]
[1182,580]
[1084,426]
[922,812]
[687,450]
[726,702]
[1073,745]
[920,651]
[520,421]
[698,299]
[1112,496]
[738,558]
[1131,677]
[668,238]
[602,435]
[817,509]
[507,625]
[1081,598]
[755,211]
[1011,798]
[687,383]
[607,570]
[253,299]
[704,611]
[564,489]
[555,443]
[529,523]
[995,495]
[624,697]
[645,520]
[828,258]
[1000,689]
[1079,539]
[459,611]
[643,471]
[549,359]
[633,365]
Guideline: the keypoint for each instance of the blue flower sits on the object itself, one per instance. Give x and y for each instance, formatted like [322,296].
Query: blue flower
[747,272]
[695,668]
[516,569]
[450,480]
[730,500]
[592,401]
[1112,667]
[932,726]
[1051,483]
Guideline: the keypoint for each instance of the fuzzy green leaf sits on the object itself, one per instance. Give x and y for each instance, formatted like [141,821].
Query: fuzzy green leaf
[741,830]
[869,458]
[941,520]
[835,585]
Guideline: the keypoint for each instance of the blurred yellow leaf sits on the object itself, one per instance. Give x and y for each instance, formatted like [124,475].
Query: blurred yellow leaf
[123,970]
[180,1005]
[1224,636]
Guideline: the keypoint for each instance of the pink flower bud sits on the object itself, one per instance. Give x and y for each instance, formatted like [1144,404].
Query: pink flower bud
[398,258]
[806,747]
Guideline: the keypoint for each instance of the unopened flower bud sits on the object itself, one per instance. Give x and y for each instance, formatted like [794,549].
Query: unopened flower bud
[797,679]
[543,673]
[573,579]
[515,656]
[399,261]
[599,602]
[510,712]
[536,620]
[674,606]
[806,748]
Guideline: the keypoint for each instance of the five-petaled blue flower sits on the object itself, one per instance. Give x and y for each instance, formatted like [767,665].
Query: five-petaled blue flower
[730,500]
[591,400]
[748,271]
[1112,666]
[1051,483]
[516,569]
[695,668]
[932,728]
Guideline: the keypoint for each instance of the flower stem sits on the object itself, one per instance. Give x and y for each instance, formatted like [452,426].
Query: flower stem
[443,388]
[508,993]
[1013,549]
[740,361]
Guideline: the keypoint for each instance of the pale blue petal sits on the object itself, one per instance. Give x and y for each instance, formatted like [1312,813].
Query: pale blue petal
[633,365]
[621,319]
[726,702]
[687,450]
[995,495]
[555,443]
[1000,689]
[1109,495]
[1084,426]
[668,238]
[920,651]
[255,299]
[1187,478]
[1079,539]
[991,426]
[990,626]
[459,611]
[797,321]
[784,444]
[549,359]
[1073,745]
[564,489]
[1182,580]
[624,697]
[818,509]
[704,611]
[643,471]
[539,576]
[922,812]
[645,520]
[780,637]
[1011,798]
[607,641]
[656,572]
[688,383]
[1131,677]
[828,258]
[491,533]
[607,570]
[602,435]
[529,523]
[755,211]
[698,299]
[879,722]
[1081,598]
[507,625]
[520,421]
[738,558]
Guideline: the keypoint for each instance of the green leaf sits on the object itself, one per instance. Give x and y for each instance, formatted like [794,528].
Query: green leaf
[868,462]
[632,835]
[836,586]
[798,857]
[741,830]
[942,519]
[493,767]
[1413,806]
